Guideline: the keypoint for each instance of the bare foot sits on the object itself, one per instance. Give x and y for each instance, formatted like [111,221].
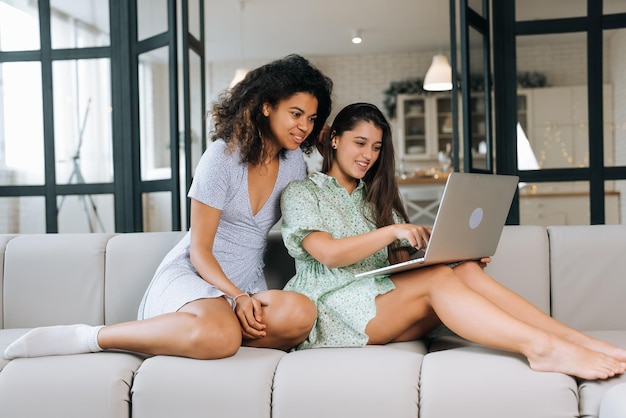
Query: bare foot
[558,355]
[591,343]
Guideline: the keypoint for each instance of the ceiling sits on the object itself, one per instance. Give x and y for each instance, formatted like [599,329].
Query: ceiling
[274,28]
[268,29]
[262,29]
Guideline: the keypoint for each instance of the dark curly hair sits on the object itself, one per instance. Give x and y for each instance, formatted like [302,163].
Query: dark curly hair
[238,113]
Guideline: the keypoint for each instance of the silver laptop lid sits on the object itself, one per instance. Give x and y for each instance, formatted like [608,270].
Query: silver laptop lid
[471,216]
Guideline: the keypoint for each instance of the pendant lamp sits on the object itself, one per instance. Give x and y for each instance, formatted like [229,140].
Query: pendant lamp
[439,75]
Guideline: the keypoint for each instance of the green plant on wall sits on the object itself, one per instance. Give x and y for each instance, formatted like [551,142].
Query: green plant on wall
[415,85]
[409,86]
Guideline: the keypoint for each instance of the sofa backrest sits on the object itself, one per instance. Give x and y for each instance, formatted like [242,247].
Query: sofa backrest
[50,279]
[587,268]
[131,260]
[54,279]
[4,240]
[521,263]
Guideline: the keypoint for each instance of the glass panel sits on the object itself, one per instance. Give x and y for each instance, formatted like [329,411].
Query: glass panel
[19,25]
[82,121]
[555,204]
[197,122]
[413,117]
[197,118]
[23,215]
[154,114]
[157,211]
[614,6]
[478,116]
[615,203]
[613,193]
[86,213]
[151,18]
[553,74]
[476,5]
[79,24]
[444,133]
[541,9]
[614,102]
[194,18]
[21,124]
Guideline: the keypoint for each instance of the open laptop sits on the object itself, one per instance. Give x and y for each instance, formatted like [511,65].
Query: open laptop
[469,222]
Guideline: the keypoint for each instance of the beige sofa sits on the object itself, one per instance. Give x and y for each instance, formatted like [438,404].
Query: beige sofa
[575,273]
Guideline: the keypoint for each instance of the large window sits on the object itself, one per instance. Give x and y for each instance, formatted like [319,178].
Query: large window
[568,80]
[93,136]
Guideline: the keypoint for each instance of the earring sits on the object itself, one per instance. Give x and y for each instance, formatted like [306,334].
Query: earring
[334,146]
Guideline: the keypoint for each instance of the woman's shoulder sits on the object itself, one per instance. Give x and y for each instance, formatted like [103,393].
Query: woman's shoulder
[219,153]
[299,189]
[220,147]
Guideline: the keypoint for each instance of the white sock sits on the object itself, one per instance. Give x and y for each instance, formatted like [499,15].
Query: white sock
[56,340]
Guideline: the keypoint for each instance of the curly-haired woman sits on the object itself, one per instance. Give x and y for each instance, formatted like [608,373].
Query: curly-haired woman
[209,295]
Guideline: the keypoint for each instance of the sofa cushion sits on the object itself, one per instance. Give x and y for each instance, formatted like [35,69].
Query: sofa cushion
[54,279]
[373,381]
[4,239]
[522,263]
[78,386]
[482,382]
[7,336]
[587,273]
[614,402]
[233,387]
[592,393]
[131,260]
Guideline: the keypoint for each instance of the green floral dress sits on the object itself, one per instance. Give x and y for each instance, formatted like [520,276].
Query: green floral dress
[345,304]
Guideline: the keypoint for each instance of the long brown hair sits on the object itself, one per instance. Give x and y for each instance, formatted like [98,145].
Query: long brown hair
[238,113]
[382,195]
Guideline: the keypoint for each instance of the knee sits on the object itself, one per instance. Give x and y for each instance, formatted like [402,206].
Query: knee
[471,274]
[215,341]
[303,314]
[296,316]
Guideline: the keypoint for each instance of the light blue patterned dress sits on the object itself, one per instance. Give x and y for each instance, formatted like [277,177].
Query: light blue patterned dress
[221,181]
[345,304]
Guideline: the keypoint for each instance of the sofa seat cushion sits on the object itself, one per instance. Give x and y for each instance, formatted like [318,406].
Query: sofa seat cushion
[372,381]
[591,393]
[78,386]
[614,402]
[481,382]
[237,386]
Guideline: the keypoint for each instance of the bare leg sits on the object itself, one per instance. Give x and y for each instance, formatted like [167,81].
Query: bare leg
[421,292]
[520,308]
[289,317]
[202,329]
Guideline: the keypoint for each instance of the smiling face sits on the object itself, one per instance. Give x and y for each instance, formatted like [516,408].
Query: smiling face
[356,151]
[292,120]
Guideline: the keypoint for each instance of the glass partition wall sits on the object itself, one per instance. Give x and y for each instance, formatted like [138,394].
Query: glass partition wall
[97,120]
[563,99]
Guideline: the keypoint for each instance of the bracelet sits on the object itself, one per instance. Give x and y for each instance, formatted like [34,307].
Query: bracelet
[234,299]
